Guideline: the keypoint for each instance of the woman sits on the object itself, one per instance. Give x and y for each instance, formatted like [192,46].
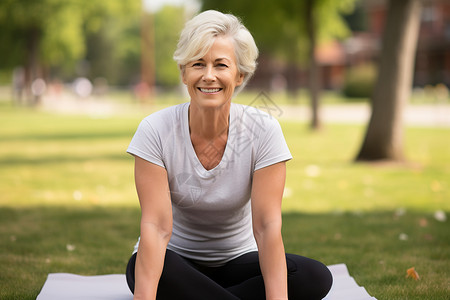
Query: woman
[210,176]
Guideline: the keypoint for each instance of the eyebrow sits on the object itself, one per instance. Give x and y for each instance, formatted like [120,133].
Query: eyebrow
[217,59]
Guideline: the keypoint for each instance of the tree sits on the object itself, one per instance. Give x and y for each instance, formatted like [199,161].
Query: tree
[384,135]
[45,34]
[314,76]
[39,32]
[168,25]
[112,38]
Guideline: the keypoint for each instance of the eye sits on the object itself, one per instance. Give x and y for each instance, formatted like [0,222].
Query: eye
[222,65]
[197,64]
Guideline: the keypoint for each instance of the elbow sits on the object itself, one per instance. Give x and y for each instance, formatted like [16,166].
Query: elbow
[266,228]
[162,231]
[165,234]
[165,229]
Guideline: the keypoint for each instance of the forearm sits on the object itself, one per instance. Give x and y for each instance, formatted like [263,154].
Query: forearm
[149,261]
[272,260]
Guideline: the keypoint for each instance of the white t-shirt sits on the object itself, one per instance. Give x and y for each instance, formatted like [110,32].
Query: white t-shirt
[212,221]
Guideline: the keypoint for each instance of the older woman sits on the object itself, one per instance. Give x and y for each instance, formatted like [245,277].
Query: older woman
[210,176]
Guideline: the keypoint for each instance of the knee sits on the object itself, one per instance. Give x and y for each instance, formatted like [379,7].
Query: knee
[129,274]
[308,278]
[323,279]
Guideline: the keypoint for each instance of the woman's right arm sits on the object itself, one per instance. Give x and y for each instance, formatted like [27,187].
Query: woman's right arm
[156,226]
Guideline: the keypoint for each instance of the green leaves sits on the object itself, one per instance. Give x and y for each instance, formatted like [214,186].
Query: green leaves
[279,26]
[58,30]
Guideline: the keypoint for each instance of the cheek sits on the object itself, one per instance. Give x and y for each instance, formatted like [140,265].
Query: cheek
[237,77]
[191,77]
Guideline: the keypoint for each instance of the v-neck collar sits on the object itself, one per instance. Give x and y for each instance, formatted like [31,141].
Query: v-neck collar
[190,148]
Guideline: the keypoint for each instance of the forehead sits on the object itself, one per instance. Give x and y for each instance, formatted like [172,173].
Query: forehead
[222,48]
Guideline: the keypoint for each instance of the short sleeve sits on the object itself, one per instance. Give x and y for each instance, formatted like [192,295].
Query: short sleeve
[272,147]
[146,143]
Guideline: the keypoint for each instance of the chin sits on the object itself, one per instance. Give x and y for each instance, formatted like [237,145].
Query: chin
[210,101]
[212,104]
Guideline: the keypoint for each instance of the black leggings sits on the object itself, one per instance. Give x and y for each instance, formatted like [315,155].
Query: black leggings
[241,278]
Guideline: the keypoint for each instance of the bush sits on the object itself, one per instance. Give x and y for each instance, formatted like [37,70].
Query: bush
[359,81]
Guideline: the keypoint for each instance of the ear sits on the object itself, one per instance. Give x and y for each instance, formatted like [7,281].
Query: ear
[240,79]
[182,71]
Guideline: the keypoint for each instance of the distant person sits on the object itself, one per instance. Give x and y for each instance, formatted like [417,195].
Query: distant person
[210,176]
[18,84]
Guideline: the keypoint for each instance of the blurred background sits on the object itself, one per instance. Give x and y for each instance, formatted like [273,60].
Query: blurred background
[55,49]
[349,80]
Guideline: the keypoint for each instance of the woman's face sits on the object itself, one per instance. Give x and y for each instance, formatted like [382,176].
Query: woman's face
[211,80]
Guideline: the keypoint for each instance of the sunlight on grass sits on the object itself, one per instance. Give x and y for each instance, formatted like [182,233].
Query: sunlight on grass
[65,160]
[322,176]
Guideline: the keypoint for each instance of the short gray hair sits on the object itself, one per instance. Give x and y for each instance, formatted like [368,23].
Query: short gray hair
[200,32]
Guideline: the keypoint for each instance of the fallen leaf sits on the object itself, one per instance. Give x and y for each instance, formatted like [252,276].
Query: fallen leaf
[411,272]
[423,222]
[428,237]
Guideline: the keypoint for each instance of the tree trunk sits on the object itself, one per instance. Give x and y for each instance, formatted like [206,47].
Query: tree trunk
[384,136]
[147,84]
[314,79]
[32,65]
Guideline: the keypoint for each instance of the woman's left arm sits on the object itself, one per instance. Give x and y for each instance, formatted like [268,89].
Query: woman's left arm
[267,193]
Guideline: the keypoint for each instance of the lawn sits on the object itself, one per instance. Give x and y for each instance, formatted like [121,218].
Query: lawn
[68,203]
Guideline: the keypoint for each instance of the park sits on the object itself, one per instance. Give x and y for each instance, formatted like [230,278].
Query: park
[68,200]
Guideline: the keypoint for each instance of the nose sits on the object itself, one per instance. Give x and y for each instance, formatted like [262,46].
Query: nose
[209,74]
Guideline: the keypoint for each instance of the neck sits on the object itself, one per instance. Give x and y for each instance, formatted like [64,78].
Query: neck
[209,123]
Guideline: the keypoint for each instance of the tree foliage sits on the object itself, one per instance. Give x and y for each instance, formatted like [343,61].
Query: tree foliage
[168,23]
[46,34]
[279,28]
[112,38]
[46,23]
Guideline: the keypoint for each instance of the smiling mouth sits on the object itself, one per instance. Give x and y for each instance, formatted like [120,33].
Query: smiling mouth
[210,91]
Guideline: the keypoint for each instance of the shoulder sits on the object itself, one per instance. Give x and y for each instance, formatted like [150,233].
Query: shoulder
[166,114]
[161,123]
[164,117]
[154,133]
[253,117]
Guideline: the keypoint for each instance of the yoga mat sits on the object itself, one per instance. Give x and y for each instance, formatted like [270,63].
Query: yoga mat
[64,286]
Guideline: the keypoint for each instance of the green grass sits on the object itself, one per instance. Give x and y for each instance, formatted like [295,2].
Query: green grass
[323,177]
[68,203]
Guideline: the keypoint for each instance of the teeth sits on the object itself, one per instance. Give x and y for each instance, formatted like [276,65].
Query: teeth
[209,90]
